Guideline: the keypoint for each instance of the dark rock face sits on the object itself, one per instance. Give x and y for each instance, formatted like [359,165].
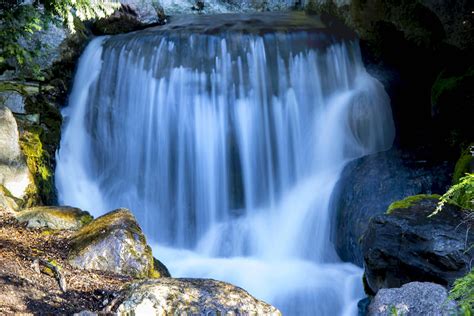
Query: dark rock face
[370,184]
[407,245]
[415,298]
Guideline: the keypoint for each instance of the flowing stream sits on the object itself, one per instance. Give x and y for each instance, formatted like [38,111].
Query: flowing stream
[227,147]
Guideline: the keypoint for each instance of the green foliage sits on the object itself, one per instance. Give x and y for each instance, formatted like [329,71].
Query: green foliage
[444,84]
[463,164]
[20,23]
[409,201]
[463,293]
[460,194]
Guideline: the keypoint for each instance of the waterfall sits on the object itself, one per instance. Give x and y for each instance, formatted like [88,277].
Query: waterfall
[227,148]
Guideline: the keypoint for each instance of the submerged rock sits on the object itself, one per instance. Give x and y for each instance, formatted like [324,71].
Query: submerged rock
[415,298]
[191,297]
[14,173]
[367,187]
[54,217]
[407,245]
[113,242]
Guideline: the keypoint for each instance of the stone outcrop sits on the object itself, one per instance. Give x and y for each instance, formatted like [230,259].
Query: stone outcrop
[412,299]
[191,297]
[53,217]
[113,242]
[367,187]
[407,245]
[14,173]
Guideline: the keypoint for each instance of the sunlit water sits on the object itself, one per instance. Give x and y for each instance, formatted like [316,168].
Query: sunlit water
[227,149]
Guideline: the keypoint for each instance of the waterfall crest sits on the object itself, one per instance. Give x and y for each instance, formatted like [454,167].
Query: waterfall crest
[227,148]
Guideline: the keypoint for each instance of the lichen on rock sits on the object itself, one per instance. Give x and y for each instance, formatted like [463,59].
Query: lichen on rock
[54,217]
[415,298]
[113,242]
[169,296]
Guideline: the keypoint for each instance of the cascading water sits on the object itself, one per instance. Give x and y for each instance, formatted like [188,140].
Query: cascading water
[227,148]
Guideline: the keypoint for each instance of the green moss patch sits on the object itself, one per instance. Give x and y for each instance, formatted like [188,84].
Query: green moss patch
[463,165]
[409,201]
[38,161]
[447,84]
[463,293]
[89,246]
[55,217]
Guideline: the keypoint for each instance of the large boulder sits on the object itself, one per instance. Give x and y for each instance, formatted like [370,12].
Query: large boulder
[54,217]
[407,245]
[369,185]
[113,242]
[191,297]
[412,299]
[14,173]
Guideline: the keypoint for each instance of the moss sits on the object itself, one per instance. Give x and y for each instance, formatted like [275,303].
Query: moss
[38,161]
[409,201]
[55,217]
[446,84]
[104,226]
[463,165]
[463,293]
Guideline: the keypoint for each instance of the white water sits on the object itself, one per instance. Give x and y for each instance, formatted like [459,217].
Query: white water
[227,149]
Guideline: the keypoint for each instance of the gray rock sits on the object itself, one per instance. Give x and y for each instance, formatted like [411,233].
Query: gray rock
[369,185]
[169,296]
[415,298]
[113,242]
[14,101]
[51,39]
[14,173]
[54,217]
[407,245]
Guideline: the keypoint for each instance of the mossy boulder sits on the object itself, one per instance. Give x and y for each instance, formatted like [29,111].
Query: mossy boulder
[113,242]
[54,217]
[411,201]
[169,296]
[14,173]
[409,245]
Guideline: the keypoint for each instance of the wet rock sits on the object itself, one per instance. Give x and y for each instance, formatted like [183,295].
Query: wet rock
[415,298]
[53,217]
[161,268]
[370,184]
[14,173]
[113,242]
[191,297]
[407,245]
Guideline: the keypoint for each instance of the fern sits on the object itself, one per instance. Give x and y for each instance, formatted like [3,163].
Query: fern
[463,293]
[460,194]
